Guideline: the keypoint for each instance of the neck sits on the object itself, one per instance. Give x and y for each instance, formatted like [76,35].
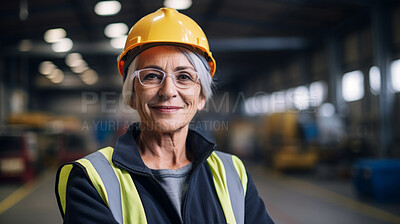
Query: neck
[161,150]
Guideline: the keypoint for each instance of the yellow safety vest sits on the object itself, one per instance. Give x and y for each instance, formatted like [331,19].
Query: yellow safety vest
[118,191]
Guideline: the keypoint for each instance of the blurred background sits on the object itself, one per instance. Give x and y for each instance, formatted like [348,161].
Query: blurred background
[307,94]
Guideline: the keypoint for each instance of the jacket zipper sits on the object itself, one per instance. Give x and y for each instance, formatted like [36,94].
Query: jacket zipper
[166,196]
[190,179]
[155,182]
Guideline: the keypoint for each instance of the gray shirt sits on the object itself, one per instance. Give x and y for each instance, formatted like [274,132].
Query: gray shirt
[175,184]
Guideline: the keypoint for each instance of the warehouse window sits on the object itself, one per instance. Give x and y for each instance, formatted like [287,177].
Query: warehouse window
[256,105]
[301,98]
[289,98]
[318,91]
[375,80]
[395,70]
[353,86]
[326,110]
[263,101]
[250,107]
[277,102]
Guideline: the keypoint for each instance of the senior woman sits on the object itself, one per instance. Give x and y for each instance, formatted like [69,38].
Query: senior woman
[160,171]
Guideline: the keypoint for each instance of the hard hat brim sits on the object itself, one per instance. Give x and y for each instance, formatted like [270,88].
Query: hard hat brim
[135,50]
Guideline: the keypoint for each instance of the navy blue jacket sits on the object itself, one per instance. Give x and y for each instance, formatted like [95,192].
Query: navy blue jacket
[201,205]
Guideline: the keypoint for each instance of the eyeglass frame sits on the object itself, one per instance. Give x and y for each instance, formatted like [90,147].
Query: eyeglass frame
[165,75]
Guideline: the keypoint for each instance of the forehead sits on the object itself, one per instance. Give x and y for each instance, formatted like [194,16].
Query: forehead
[163,56]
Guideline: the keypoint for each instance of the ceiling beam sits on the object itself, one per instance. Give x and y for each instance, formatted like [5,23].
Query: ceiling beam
[217,45]
[258,44]
[313,2]
[270,26]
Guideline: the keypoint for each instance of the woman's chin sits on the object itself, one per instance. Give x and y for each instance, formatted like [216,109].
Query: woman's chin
[165,125]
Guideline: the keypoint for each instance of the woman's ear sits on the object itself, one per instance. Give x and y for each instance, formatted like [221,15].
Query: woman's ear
[202,102]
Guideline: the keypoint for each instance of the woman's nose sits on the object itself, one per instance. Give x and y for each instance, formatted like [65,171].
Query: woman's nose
[167,88]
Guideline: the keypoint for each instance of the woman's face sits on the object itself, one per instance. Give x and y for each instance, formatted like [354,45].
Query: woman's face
[166,108]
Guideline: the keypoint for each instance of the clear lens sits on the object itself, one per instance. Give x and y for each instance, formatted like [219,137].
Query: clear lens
[185,78]
[150,77]
[153,77]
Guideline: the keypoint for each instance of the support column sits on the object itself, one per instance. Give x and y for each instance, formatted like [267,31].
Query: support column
[381,42]
[335,87]
[4,104]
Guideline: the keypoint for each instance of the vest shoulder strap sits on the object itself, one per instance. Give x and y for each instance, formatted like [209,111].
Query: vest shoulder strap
[230,180]
[114,185]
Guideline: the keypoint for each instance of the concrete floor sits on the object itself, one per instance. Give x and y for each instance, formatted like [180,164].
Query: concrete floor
[290,199]
[302,198]
[30,203]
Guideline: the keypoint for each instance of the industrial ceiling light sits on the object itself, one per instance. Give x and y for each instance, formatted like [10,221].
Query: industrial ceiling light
[353,86]
[80,68]
[115,30]
[107,8]
[54,35]
[23,10]
[72,59]
[78,62]
[54,73]
[25,45]
[395,71]
[89,77]
[375,80]
[59,78]
[118,42]
[63,45]
[178,4]
[46,67]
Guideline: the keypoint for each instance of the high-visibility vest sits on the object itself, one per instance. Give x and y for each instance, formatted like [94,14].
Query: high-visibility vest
[118,191]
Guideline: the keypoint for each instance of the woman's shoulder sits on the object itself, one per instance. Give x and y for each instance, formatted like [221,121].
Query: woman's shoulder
[81,165]
[227,156]
[229,162]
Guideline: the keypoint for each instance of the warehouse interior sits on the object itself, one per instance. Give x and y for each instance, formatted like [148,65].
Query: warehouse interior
[307,94]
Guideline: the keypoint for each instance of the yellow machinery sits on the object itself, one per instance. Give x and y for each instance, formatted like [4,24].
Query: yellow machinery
[284,144]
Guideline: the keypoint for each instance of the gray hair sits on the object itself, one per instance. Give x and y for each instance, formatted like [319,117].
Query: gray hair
[203,72]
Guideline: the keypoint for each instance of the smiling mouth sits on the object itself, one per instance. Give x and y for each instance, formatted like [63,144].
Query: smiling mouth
[166,109]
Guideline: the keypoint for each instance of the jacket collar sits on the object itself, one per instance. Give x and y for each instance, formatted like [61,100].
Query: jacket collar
[126,153]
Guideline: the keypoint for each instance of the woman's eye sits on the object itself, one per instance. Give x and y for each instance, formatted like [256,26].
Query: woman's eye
[184,76]
[151,76]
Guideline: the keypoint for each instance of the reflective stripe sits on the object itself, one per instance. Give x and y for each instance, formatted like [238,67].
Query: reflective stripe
[95,178]
[115,187]
[240,169]
[132,207]
[235,187]
[219,176]
[110,181]
[62,184]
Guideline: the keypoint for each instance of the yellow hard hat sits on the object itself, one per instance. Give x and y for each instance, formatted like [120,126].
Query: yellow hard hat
[167,26]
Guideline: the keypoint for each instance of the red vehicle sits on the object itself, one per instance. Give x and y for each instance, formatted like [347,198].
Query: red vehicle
[71,146]
[18,157]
